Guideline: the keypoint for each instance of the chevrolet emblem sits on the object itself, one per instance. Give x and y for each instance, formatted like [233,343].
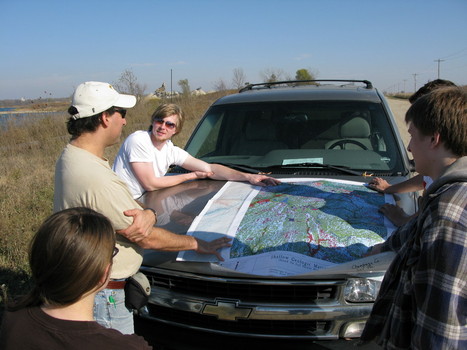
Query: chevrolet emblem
[227,310]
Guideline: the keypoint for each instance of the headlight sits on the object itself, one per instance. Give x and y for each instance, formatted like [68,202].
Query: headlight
[353,330]
[362,290]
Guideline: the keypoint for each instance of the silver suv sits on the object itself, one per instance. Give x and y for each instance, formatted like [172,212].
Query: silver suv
[307,130]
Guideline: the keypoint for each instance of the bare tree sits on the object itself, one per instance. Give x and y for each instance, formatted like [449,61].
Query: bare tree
[271,75]
[239,78]
[128,84]
[220,85]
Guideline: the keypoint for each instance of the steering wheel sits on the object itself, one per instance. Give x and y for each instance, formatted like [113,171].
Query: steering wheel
[341,143]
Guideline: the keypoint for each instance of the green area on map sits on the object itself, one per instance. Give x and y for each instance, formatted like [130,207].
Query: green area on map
[328,220]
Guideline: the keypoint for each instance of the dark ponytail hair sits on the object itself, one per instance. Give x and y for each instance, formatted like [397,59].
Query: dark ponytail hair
[68,257]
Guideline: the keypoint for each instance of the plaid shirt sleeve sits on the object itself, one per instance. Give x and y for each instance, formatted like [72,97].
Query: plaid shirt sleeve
[422,301]
[399,237]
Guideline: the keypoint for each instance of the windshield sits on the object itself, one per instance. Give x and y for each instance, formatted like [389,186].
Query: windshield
[356,135]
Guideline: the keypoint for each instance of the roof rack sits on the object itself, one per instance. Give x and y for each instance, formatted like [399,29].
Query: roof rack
[368,84]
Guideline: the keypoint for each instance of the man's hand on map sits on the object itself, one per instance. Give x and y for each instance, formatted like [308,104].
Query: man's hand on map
[378,184]
[213,246]
[395,214]
[262,180]
[376,249]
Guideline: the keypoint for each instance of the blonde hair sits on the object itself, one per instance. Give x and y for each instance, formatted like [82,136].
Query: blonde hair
[168,109]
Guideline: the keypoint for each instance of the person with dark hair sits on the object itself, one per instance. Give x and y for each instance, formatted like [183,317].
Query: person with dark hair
[70,259]
[422,300]
[83,177]
[145,157]
[428,87]
[417,183]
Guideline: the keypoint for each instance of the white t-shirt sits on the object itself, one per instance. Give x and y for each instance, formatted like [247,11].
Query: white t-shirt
[138,147]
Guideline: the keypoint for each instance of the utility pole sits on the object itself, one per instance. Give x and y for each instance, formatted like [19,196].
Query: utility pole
[171,85]
[404,84]
[439,61]
[415,82]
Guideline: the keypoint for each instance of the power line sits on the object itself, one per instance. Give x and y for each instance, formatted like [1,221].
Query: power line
[454,54]
[450,57]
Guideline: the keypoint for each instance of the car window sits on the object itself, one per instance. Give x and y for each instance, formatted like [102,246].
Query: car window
[205,140]
[342,133]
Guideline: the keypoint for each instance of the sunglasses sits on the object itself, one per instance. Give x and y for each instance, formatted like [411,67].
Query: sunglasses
[115,252]
[121,111]
[168,124]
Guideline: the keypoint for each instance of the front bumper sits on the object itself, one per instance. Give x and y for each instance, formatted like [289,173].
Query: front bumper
[313,309]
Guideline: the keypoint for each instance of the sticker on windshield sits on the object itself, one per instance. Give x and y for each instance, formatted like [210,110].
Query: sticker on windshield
[302,160]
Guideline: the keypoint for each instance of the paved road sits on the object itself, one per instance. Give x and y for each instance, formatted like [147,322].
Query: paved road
[399,108]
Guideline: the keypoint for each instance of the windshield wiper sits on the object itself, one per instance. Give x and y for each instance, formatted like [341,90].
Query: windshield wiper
[248,169]
[342,169]
[244,168]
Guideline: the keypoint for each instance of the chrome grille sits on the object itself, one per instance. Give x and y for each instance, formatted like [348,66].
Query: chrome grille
[249,290]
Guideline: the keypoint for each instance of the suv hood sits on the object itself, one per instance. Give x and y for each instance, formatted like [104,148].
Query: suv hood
[178,206]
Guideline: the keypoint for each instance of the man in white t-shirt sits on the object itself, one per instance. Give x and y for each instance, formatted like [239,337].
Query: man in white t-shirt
[145,157]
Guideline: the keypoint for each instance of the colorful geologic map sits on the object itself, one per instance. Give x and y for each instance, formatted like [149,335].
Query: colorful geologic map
[293,228]
[332,221]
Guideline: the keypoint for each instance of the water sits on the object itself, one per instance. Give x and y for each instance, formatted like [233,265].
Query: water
[17,118]
[6,109]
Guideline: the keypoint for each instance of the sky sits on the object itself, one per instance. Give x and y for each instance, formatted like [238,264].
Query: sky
[48,47]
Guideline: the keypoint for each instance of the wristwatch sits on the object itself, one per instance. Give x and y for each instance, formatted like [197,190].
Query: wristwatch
[154,212]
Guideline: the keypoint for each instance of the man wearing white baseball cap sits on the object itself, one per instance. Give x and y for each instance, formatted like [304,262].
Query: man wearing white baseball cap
[84,178]
[92,97]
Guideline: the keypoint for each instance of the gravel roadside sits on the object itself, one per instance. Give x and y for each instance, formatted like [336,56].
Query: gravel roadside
[399,108]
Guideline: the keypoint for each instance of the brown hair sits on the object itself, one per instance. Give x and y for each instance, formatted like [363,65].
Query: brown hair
[168,109]
[443,111]
[68,257]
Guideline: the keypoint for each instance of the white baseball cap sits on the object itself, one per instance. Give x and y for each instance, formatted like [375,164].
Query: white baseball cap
[93,97]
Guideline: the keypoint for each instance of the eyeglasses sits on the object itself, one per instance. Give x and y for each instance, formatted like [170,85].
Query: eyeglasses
[121,111]
[115,252]
[168,124]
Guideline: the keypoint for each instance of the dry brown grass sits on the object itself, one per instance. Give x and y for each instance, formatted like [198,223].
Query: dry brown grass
[28,153]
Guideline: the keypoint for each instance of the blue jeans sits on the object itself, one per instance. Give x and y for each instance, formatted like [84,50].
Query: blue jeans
[110,311]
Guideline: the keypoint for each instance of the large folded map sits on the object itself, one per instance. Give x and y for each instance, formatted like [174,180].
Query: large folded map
[298,226]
